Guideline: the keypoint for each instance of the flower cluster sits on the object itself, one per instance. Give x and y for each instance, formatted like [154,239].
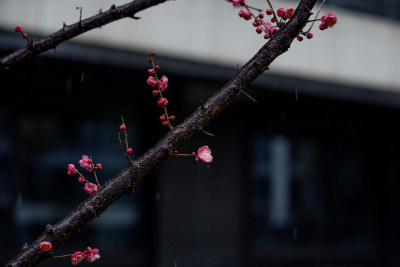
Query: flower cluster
[89,254]
[268,29]
[86,163]
[281,15]
[263,25]
[328,21]
[285,14]
[246,14]
[159,85]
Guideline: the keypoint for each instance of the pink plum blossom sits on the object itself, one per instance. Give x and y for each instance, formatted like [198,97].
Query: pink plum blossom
[77,257]
[163,83]
[99,167]
[268,29]
[328,21]
[45,246]
[18,28]
[323,26]
[204,154]
[152,81]
[237,3]
[162,102]
[244,14]
[289,13]
[86,163]
[92,254]
[281,12]
[71,169]
[89,189]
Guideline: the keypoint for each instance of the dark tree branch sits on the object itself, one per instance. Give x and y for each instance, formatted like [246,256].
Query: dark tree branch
[68,32]
[129,178]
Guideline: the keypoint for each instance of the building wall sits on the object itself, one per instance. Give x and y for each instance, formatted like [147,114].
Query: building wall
[360,50]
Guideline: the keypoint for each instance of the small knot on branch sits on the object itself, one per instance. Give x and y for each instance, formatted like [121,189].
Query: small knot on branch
[49,229]
[134,17]
[202,105]
[80,15]
[304,4]
[30,44]
[95,214]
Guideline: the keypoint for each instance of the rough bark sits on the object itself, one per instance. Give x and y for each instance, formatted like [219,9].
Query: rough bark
[129,178]
[68,32]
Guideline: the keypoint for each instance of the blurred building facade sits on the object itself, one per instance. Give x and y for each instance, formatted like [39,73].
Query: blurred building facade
[308,176]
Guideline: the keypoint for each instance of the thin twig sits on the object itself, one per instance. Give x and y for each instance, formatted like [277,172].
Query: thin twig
[126,138]
[254,8]
[80,13]
[273,11]
[94,172]
[252,99]
[316,16]
[61,256]
[86,180]
[123,151]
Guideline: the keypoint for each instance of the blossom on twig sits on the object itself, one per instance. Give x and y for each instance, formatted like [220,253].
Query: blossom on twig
[71,169]
[204,154]
[86,163]
[88,188]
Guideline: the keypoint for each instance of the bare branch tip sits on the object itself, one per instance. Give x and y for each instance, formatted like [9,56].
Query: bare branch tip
[251,98]
[207,133]
[134,17]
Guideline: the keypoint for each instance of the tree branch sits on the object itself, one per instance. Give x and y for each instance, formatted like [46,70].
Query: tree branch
[68,32]
[129,178]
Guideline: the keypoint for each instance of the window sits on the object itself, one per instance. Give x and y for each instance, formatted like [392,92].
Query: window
[384,8]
